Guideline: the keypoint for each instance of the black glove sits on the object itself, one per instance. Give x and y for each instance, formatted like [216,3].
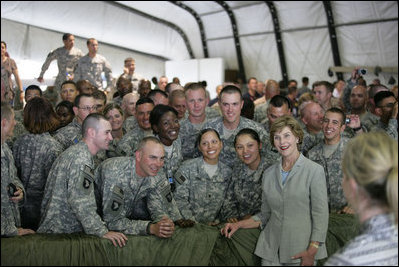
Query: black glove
[183,223]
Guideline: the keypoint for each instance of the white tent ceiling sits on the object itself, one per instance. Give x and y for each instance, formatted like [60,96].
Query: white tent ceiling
[366,34]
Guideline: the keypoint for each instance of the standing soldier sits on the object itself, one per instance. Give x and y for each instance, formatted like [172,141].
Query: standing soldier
[328,153]
[90,67]
[69,203]
[130,74]
[230,102]
[134,195]
[12,190]
[67,57]
[197,105]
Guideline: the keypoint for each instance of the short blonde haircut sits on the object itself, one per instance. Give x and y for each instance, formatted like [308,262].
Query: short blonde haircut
[372,160]
[290,122]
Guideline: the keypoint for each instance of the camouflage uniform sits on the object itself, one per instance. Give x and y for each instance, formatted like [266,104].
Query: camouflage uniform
[310,140]
[333,171]
[261,112]
[51,96]
[130,202]
[244,195]
[10,217]
[366,118]
[172,162]
[391,129]
[200,197]
[130,123]
[135,79]
[90,69]
[70,134]
[34,154]
[228,153]
[211,113]
[69,203]
[188,134]
[129,142]
[19,130]
[66,61]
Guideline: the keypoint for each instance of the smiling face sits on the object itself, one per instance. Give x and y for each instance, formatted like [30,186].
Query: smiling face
[115,118]
[231,105]
[286,142]
[168,128]
[333,127]
[149,159]
[143,112]
[248,150]
[210,146]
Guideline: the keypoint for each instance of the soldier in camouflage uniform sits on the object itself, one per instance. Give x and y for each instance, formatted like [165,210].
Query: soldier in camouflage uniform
[130,74]
[244,196]
[328,153]
[34,154]
[190,127]
[67,58]
[312,115]
[128,144]
[12,190]
[90,67]
[230,102]
[72,133]
[386,107]
[134,196]
[203,181]
[69,203]
[165,126]
[272,88]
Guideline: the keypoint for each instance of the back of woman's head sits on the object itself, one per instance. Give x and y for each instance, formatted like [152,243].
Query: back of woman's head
[372,160]
[39,116]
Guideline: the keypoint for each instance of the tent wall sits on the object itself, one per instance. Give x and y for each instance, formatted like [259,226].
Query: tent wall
[29,46]
[367,34]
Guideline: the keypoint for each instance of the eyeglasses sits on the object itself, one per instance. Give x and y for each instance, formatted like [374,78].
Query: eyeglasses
[389,105]
[89,108]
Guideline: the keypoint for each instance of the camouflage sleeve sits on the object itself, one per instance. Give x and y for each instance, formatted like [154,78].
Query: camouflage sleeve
[124,147]
[77,72]
[115,209]
[182,196]
[161,201]
[50,57]
[230,203]
[392,129]
[82,200]
[8,223]
[108,72]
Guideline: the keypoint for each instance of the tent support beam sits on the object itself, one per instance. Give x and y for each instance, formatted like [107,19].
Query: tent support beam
[164,22]
[241,69]
[333,37]
[199,22]
[279,41]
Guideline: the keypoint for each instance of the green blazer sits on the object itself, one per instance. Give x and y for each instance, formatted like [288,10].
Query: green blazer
[294,214]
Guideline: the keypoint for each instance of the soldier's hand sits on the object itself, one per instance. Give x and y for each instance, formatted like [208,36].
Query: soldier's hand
[164,228]
[232,220]
[116,237]
[22,231]
[347,210]
[229,229]
[213,223]
[40,79]
[183,223]
[395,111]
[18,195]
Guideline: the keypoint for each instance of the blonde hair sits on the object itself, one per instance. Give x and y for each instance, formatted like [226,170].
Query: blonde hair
[372,160]
[290,122]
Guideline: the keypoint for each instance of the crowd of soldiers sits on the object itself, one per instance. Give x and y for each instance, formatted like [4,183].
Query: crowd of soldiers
[154,171]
